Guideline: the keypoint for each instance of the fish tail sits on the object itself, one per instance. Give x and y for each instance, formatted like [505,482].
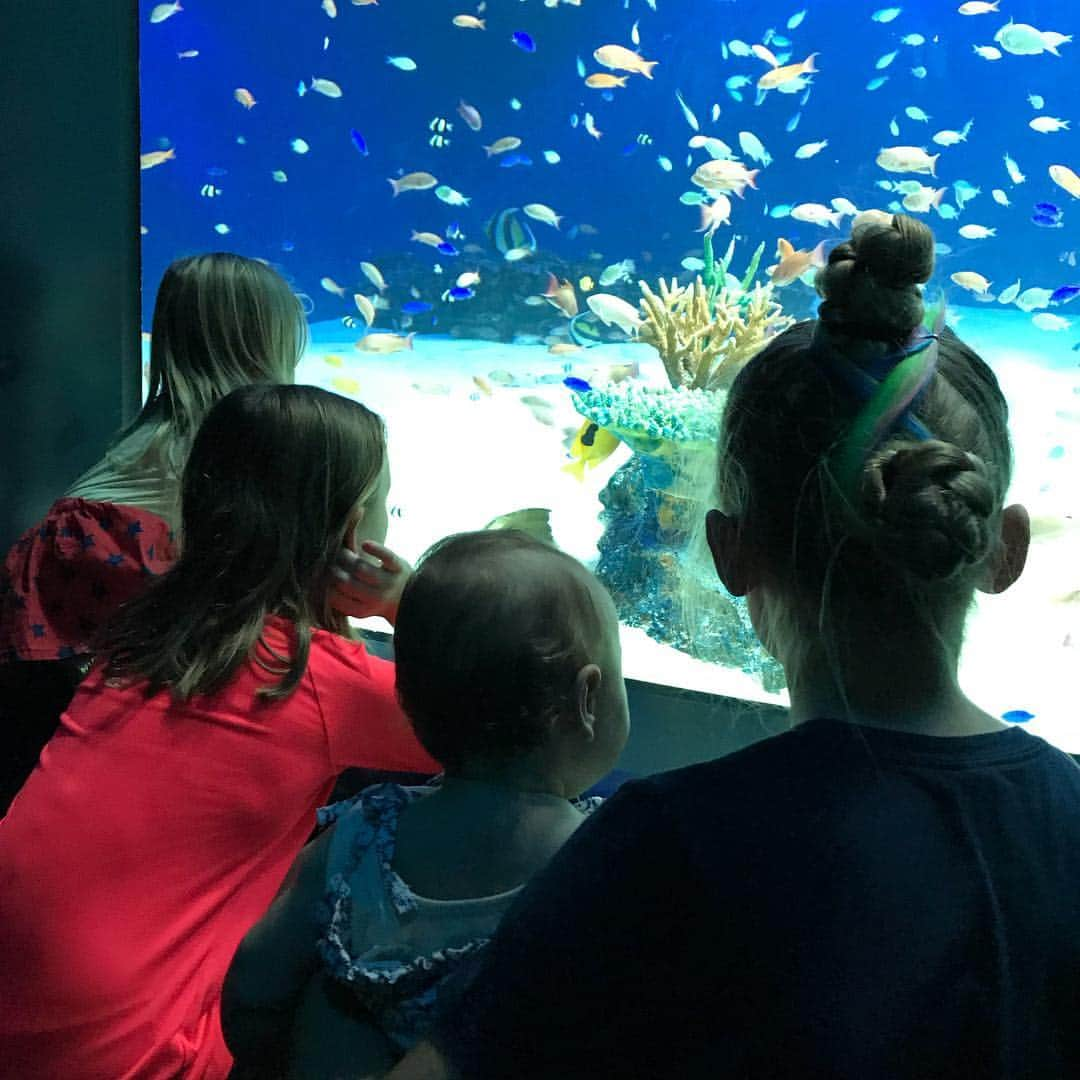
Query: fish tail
[646,68]
[487,150]
[750,177]
[394,184]
[409,340]
[808,64]
[576,469]
[933,165]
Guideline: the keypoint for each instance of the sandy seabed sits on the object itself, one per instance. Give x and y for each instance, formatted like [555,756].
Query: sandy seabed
[461,457]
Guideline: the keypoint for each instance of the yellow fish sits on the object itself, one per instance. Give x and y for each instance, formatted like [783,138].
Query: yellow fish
[586,284]
[245,97]
[429,238]
[620,59]
[561,295]
[374,275]
[385,343]
[334,360]
[1066,179]
[330,285]
[164,11]
[326,87]
[563,348]
[414,181]
[793,264]
[468,22]
[780,75]
[156,157]
[343,384]
[603,81]
[968,279]
[592,445]
[483,385]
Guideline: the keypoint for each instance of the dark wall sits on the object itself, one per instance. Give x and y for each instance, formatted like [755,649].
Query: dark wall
[69,244]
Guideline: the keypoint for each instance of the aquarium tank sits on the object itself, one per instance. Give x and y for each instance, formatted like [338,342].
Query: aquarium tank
[540,237]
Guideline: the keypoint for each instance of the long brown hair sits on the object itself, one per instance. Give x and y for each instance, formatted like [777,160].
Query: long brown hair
[220,321]
[272,482]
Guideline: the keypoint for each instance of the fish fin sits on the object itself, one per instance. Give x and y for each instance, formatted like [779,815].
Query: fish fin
[409,340]
[394,184]
[933,165]
[783,248]
[576,468]
[817,256]
[808,64]
[647,66]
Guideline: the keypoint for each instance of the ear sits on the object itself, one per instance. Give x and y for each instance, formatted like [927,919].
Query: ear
[1011,555]
[350,529]
[729,553]
[586,684]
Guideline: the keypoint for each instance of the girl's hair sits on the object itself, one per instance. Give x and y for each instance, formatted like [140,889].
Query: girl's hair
[220,321]
[910,540]
[491,632]
[273,478]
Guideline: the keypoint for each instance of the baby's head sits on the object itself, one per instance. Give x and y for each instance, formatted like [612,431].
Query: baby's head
[508,661]
[220,321]
[890,543]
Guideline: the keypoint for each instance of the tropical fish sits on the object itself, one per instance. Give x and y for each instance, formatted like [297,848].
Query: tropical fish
[552,157]
[724,175]
[358,141]
[1066,179]
[613,310]
[886,15]
[794,264]
[1036,101]
[780,75]
[590,126]
[978,7]
[816,214]
[915,113]
[540,212]
[384,343]
[164,11]
[1045,320]
[500,146]
[1018,716]
[402,63]
[1031,299]
[330,7]
[159,157]
[1007,296]
[470,115]
[951,138]
[877,83]
[244,97]
[604,81]
[445,193]
[190,54]
[414,181]
[517,254]
[987,52]
[1022,39]
[374,275]
[509,161]
[1048,124]
[523,41]
[620,271]
[326,87]
[976,232]
[1015,175]
[753,148]
[468,22]
[543,410]
[508,232]
[592,445]
[618,58]
[973,282]
[901,159]
[561,295]
[365,307]
[808,150]
[579,386]
[279,176]
[1064,294]
[299,146]
[330,285]
[417,307]
[460,292]
[922,199]
[429,238]
[715,214]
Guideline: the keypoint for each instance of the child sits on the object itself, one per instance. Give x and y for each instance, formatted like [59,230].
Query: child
[508,666]
[892,888]
[184,777]
[220,321]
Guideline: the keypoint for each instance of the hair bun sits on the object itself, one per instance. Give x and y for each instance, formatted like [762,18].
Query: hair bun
[930,506]
[869,284]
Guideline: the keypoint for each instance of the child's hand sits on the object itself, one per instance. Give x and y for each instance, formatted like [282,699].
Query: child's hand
[368,582]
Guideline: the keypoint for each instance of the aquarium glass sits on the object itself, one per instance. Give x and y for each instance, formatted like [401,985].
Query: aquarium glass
[468,196]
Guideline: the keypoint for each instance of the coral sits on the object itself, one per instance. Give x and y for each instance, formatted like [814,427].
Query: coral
[705,331]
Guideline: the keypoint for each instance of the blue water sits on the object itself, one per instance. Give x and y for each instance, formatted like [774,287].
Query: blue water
[336,208]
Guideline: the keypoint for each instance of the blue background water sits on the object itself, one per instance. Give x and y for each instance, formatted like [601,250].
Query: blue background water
[336,208]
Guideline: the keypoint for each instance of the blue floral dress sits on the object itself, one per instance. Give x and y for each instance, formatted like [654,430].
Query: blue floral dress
[391,947]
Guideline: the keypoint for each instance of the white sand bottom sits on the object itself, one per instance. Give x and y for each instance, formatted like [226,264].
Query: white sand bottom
[461,458]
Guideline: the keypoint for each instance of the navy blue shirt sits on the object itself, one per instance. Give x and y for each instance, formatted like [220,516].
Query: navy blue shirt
[834,902]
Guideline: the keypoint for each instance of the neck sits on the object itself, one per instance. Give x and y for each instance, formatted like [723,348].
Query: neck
[884,692]
[506,785]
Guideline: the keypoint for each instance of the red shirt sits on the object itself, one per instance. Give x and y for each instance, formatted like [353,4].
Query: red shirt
[148,840]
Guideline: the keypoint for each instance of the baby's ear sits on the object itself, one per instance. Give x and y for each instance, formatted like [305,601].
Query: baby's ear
[586,684]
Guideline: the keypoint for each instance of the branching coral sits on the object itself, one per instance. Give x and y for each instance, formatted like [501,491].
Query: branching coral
[705,335]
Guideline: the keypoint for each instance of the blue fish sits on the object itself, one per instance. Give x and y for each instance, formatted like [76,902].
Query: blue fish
[877,83]
[508,161]
[416,307]
[217,170]
[1065,294]
[579,386]
[459,292]
[1048,208]
[358,141]
[287,245]
[630,148]
[1045,221]
[446,248]
[793,123]
[1018,716]
[523,41]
